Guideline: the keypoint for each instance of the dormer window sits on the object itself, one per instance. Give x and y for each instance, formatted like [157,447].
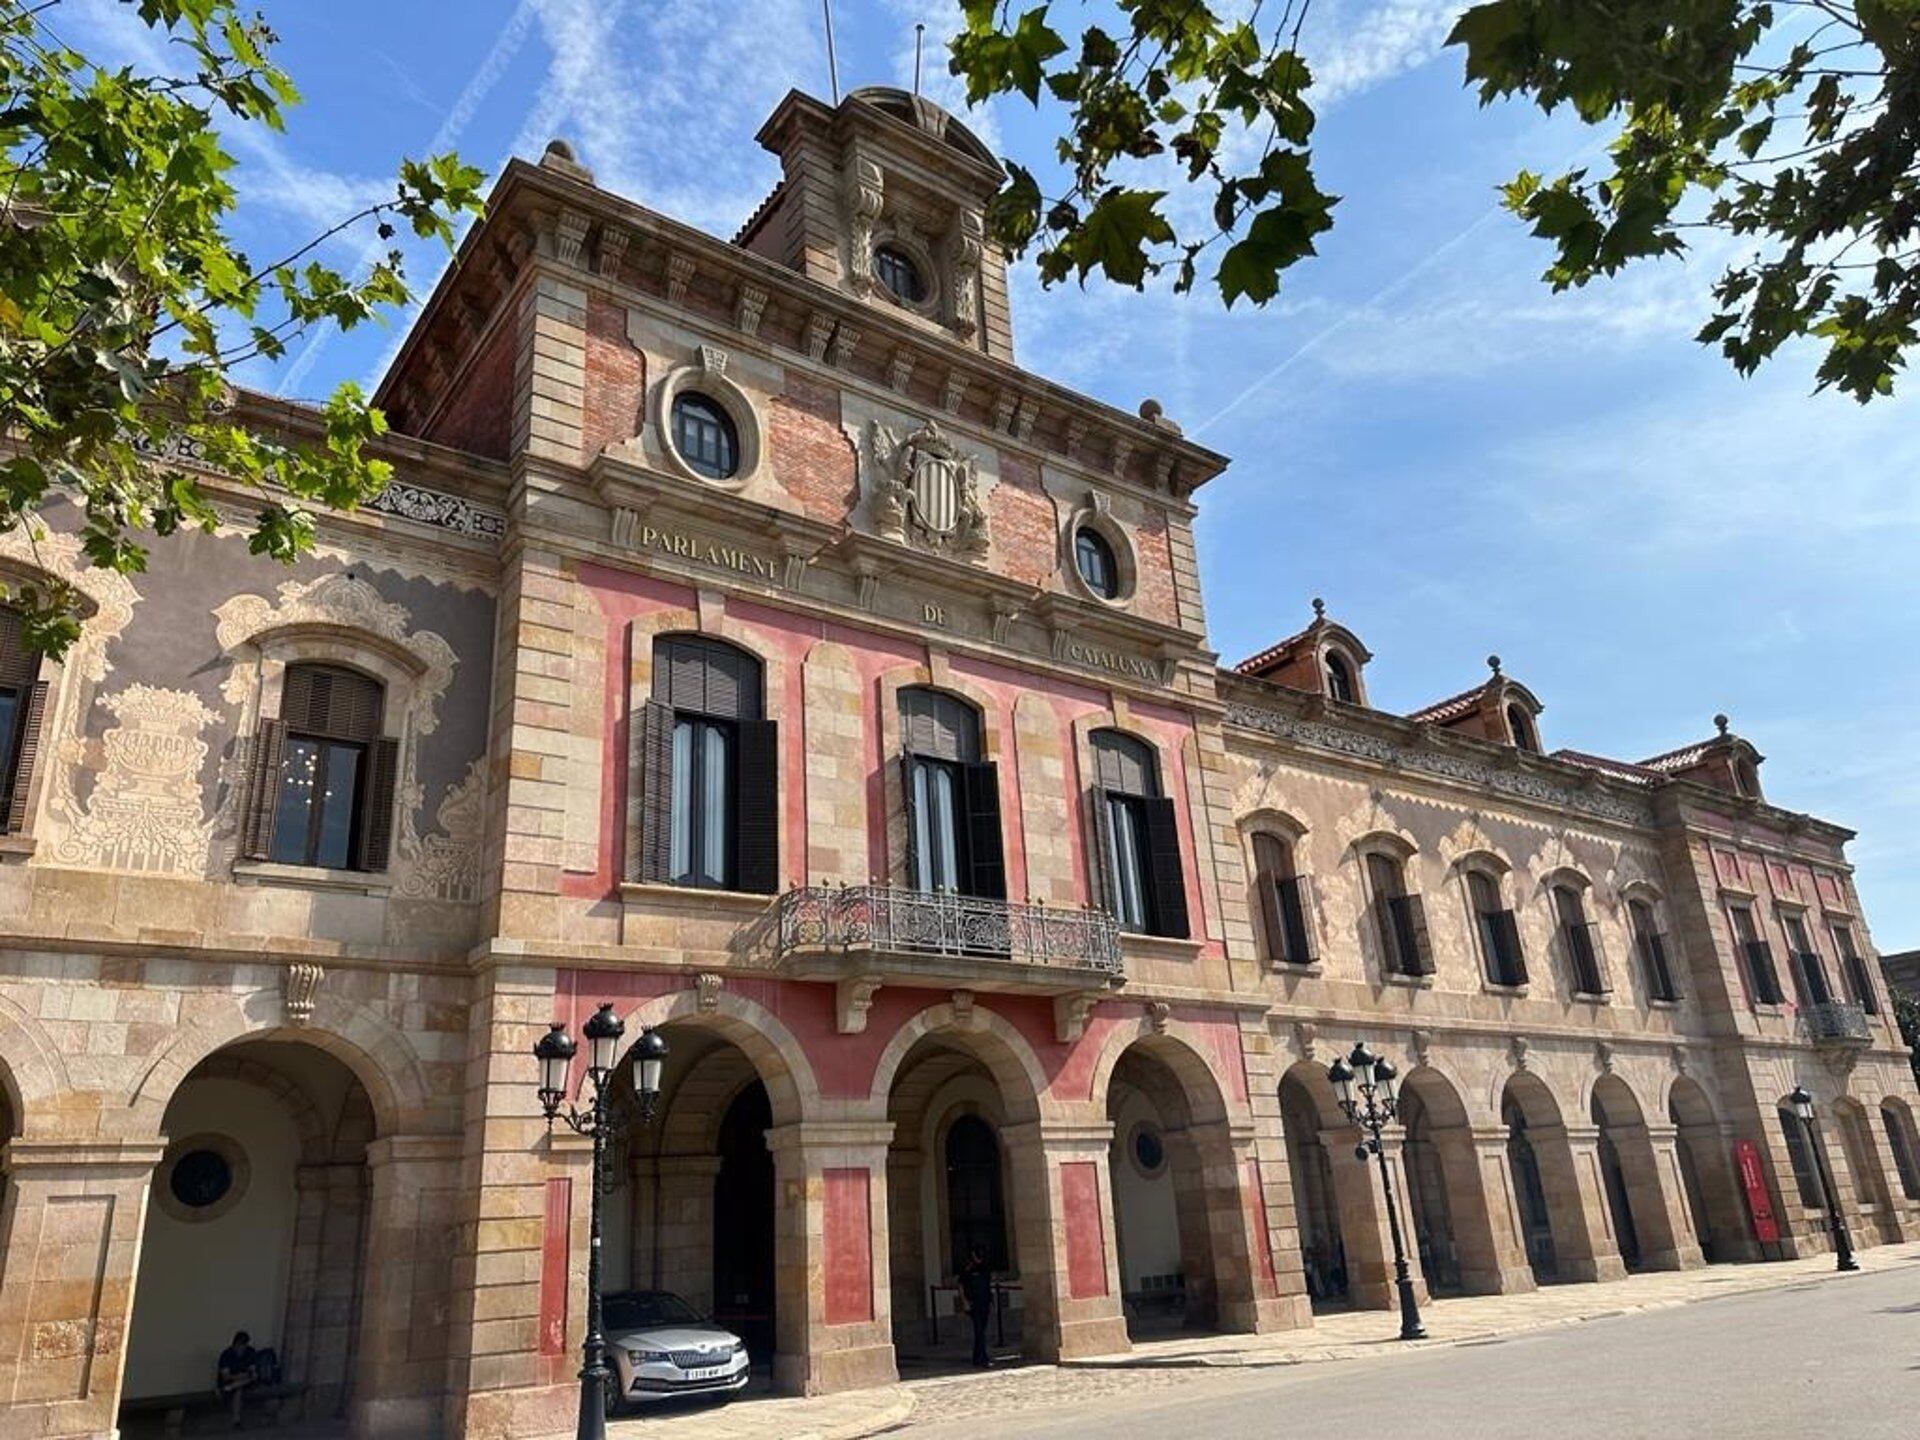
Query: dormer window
[1340,684]
[896,270]
[1746,778]
[1520,725]
[704,435]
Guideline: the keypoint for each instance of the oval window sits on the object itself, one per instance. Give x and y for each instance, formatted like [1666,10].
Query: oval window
[1149,1151]
[895,270]
[1095,559]
[704,434]
[201,1178]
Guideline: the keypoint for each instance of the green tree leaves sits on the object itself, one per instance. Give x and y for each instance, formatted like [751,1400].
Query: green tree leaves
[1793,127]
[124,304]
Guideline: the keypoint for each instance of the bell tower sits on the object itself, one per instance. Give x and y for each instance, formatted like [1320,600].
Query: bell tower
[884,197]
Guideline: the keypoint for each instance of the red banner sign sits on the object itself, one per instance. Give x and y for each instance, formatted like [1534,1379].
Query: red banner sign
[1753,1180]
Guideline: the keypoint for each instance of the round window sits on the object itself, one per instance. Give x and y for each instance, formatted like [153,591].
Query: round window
[895,270]
[1094,558]
[1149,1150]
[704,434]
[201,1178]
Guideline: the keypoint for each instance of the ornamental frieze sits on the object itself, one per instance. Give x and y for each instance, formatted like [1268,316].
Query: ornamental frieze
[1458,768]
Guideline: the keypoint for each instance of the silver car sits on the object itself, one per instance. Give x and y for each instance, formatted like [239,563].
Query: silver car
[662,1350]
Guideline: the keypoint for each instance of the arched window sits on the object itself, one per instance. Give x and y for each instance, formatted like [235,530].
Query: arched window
[1525,736]
[976,1206]
[1900,1143]
[1499,934]
[1094,559]
[706,767]
[1580,938]
[1806,1172]
[895,269]
[704,434]
[1139,840]
[1340,682]
[1286,903]
[1652,945]
[1399,916]
[23,706]
[952,797]
[330,790]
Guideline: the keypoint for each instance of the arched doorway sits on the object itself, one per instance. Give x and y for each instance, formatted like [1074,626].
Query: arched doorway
[1707,1176]
[1316,1201]
[1643,1225]
[1427,1202]
[1535,1215]
[951,1186]
[1871,1198]
[691,1203]
[1178,1217]
[263,1184]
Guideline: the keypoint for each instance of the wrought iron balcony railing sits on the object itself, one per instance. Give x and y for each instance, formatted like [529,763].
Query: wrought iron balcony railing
[1836,1022]
[822,919]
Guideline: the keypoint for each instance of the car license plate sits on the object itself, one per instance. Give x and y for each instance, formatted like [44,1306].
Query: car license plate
[712,1372]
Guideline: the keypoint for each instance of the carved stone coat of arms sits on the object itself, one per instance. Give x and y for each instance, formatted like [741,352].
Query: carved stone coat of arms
[926,490]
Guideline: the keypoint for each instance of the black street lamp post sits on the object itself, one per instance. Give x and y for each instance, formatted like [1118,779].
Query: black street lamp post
[1368,1091]
[1802,1104]
[555,1051]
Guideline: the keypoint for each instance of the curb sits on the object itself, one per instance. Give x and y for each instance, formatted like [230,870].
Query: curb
[891,1416]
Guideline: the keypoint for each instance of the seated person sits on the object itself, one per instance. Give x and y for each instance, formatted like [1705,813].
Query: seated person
[238,1368]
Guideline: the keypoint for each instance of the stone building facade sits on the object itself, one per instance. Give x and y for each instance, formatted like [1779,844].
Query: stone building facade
[748,642]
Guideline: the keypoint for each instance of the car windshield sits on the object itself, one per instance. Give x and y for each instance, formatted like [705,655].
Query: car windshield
[647,1308]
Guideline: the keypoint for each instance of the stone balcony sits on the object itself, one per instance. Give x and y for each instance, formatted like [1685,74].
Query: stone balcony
[882,934]
[1836,1022]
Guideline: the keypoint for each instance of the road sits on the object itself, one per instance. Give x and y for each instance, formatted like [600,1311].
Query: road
[1834,1357]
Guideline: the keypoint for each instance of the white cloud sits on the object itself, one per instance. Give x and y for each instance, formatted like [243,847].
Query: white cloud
[1356,53]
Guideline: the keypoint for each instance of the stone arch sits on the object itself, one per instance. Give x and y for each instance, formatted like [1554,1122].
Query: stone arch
[1633,1187]
[1707,1178]
[778,1057]
[378,1053]
[1896,1122]
[1336,1215]
[1551,1210]
[988,1037]
[1179,1045]
[1854,1136]
[32,1072]
[1454,1232]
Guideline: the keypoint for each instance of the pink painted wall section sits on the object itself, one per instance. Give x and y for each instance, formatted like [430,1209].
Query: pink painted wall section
[553,1266]
[848,1245]
[1254,1199]
[1086,1229]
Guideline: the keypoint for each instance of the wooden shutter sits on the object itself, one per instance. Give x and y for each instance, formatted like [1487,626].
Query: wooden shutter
[649,831]
[1163,860]
[757,808]
[1100,864]
[1302,947]
[910,853]
[986,860]
[1420,962]
[340,704]
[263,790]
[376,809]
[1506,941]
[1272,927]
[19,778]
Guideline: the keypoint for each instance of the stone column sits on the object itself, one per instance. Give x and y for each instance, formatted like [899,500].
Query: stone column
[1650,1155]
[833,1327]
[71,1228]
[1245,1277]
[323,1289]
[680,1252]
[1583,1238]
[1064,1238]
[400,1367]
[907,1262]
[1493,1249]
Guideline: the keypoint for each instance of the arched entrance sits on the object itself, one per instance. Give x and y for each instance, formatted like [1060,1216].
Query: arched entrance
[1316,1201]
[1543,1184]
[1178,1219]
[1427,1202]
[1643,1225]
[1871,1198]
[264,1186]
[691,1205]
[950,1187]
[1707,1176]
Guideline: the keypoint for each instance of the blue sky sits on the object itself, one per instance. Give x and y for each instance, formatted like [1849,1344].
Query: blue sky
[1458,460]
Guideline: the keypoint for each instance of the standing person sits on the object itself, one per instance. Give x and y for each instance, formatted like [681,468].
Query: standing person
[976,1288]
[237,1369]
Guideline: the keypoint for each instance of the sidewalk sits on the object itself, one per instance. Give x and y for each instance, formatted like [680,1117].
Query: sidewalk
[847,1416]
[1354,1334]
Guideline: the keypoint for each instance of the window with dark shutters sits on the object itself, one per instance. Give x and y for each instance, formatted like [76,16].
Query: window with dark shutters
[986,862]
[1401,918]
[950,796]
[703,800]
[1499,933]
[321,791]
[23,710]
[1136,861]
[1286,903]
